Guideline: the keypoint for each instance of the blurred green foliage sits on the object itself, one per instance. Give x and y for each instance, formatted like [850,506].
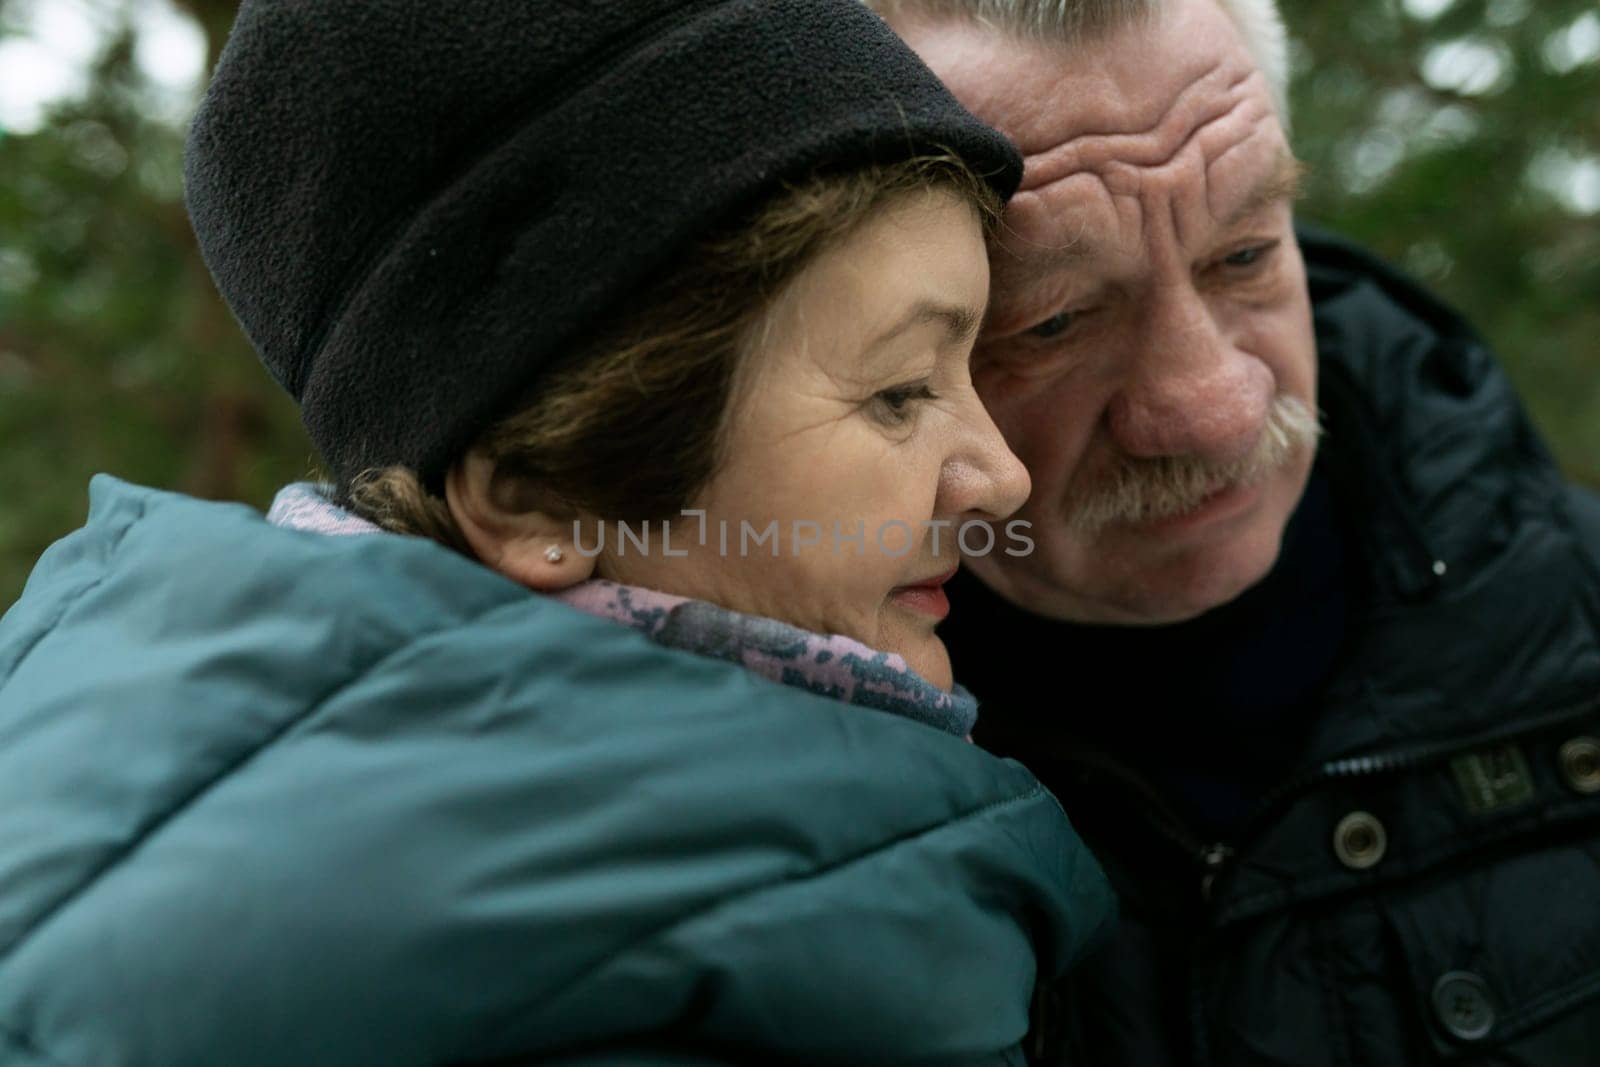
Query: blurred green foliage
[1466,147]
[1460,139]
[115,352]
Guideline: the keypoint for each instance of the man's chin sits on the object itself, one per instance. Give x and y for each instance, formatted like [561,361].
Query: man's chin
[1185,597]
[1123,578]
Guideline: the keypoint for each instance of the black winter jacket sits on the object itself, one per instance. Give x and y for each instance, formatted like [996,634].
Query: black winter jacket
[1422,884]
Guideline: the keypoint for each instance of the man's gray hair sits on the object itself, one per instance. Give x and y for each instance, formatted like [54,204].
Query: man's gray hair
[1072,21]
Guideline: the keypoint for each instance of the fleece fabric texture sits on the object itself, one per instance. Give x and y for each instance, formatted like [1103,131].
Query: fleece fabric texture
[270,797]
[417,208]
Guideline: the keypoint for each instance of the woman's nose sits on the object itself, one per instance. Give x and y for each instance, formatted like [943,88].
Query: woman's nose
[984,478]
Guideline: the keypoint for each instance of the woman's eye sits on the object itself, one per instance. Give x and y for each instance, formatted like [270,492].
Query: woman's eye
[897,405]
[1054,326]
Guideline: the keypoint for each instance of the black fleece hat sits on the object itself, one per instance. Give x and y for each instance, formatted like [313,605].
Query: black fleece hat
[418,207]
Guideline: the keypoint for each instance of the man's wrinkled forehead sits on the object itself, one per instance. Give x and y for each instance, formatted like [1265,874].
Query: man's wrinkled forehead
[1268,177]
[1174,108]
[1042,91]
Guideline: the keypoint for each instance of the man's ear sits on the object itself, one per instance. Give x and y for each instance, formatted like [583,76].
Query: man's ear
[508,533]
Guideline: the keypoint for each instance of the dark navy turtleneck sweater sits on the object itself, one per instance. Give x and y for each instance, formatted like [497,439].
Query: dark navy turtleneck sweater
[1210,712]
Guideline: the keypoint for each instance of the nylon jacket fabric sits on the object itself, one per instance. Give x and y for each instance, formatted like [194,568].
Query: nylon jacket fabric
[268,797]
[1454,726]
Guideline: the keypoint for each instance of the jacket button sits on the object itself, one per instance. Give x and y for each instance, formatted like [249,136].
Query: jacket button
[1461,1002]
[1580,764]
[1359,840]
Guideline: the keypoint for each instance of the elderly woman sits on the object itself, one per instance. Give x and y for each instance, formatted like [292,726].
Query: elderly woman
[662,312]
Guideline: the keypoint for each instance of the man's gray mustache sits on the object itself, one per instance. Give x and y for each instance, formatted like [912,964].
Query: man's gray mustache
[1145,490]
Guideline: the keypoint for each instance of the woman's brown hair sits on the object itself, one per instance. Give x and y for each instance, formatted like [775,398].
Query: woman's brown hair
[631,430]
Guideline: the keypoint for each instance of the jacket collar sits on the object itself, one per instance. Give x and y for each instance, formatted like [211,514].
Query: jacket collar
[830,665]
[1427,441]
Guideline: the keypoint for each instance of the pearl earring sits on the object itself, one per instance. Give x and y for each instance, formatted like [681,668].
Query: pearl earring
[553,554]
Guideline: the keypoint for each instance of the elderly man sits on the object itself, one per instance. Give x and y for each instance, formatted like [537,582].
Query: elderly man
[1321,692]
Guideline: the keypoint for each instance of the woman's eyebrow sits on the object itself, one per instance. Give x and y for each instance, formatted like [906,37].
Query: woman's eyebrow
[961,322]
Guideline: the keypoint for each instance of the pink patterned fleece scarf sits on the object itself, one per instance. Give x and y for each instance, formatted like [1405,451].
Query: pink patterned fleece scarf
[827,664]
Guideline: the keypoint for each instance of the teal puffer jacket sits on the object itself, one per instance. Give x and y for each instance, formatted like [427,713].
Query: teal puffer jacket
[268,797]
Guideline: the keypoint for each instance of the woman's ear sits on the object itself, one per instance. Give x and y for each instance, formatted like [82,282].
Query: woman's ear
[507,533]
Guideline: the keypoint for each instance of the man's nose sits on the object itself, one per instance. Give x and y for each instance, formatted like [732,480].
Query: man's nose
[983,479]
[1188,390]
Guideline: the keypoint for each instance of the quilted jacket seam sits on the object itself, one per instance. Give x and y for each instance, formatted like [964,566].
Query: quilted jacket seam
[677,922]
[200,792]
[868,856]
[1530,1014]
[71,599]
[16,1039]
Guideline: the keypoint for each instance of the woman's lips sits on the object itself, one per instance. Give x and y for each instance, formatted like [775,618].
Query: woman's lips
[926,596]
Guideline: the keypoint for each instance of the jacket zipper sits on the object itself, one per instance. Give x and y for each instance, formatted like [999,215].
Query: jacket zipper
[1213,859]
[1210,857]
[1406,759]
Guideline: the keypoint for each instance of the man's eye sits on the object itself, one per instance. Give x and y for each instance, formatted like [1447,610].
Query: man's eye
[1054,326]
[896,406]
[1248,257]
